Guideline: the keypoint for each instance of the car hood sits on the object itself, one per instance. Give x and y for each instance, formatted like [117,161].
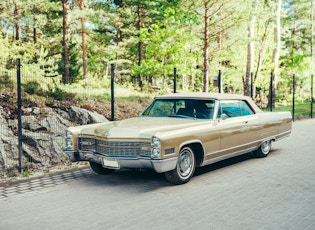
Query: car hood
[140,127]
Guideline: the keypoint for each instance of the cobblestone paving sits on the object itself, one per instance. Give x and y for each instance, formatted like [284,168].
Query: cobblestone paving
[41,183]
[273,193]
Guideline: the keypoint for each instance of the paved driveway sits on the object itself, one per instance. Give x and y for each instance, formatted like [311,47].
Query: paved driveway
[277,192]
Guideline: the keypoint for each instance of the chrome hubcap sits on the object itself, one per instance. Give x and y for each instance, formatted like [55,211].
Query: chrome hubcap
[185,163]
[265,147]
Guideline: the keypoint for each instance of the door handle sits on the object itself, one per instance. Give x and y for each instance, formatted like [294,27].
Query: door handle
[245,123]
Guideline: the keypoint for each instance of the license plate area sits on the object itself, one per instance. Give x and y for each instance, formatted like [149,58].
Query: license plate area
[110,163]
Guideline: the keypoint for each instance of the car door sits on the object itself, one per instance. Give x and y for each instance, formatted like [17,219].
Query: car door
[235,130]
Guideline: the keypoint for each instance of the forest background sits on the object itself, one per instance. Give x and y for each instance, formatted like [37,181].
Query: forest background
[74,42]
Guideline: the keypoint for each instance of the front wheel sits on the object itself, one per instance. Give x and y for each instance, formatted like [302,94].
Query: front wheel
[185,167]
[99,169]
[264,149]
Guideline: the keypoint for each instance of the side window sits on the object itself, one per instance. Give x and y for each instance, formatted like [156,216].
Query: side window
[231,109]
[245,109]
[234,108]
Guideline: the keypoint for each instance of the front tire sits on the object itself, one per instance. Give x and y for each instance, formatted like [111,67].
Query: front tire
[185,167]
[99,169]
[264,149]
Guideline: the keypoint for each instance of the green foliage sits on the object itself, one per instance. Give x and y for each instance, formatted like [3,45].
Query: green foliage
[75,65]
[47,89]
[57,93]
[26,173]
[5,81]
[33,87]
[147,39]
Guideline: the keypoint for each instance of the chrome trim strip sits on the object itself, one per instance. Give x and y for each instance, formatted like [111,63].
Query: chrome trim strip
[226,156]
[231,149]
[283,135]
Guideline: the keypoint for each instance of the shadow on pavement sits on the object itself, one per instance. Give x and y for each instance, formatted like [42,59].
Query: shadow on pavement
[149,180]
[224,163]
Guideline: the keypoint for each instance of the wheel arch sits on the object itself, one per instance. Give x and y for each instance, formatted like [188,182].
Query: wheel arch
[198,149]
[267,138]
[271,139]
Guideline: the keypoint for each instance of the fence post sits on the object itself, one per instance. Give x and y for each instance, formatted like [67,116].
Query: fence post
[219,82]
[271,92]
[19,102]
[293,97]
[112,91]
[312,99]
[175,80]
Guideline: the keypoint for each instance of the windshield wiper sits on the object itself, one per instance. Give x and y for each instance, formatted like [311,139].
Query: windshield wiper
[180,116]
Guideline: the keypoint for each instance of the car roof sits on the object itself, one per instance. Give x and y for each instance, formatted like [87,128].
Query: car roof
[217,96]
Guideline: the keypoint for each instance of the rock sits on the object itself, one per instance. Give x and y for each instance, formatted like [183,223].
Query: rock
[8,145]
[97,118]
[43,136]
[84,116]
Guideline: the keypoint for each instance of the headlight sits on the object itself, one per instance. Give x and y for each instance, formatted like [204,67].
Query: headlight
[155,147]
[69,143]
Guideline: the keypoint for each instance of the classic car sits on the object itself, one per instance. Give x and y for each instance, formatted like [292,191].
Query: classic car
[177,133]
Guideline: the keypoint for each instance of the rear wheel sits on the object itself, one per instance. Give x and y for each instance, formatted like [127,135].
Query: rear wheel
[264,149]
[185,167]
[99,169]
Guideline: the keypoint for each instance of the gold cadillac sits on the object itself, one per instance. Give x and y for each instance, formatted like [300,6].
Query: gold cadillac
[177,133]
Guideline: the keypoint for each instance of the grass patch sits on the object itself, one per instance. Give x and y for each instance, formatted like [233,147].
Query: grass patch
[301,109]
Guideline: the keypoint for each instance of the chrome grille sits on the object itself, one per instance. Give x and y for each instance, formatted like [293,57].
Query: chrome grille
[115,148]
[86,144]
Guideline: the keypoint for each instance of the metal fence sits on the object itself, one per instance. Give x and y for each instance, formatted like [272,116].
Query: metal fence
[294,93]
[33,121]
[34,134]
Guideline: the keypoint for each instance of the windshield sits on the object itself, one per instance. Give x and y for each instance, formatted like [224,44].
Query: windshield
[183,108]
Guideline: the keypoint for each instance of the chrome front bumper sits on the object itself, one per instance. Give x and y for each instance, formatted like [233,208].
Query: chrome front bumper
[159,166]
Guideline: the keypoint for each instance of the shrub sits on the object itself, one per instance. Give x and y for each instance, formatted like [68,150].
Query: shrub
[33,87]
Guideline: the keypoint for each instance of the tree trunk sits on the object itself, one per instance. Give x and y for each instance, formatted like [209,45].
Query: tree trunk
[250,52]
[84,55]
[65,77]
[34,26]
[312,37]
[34,35]
[276,51]
[261,55]
[17,26]
[139,44]
[206,50]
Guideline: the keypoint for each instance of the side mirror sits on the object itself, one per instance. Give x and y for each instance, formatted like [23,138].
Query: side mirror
[223,117]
